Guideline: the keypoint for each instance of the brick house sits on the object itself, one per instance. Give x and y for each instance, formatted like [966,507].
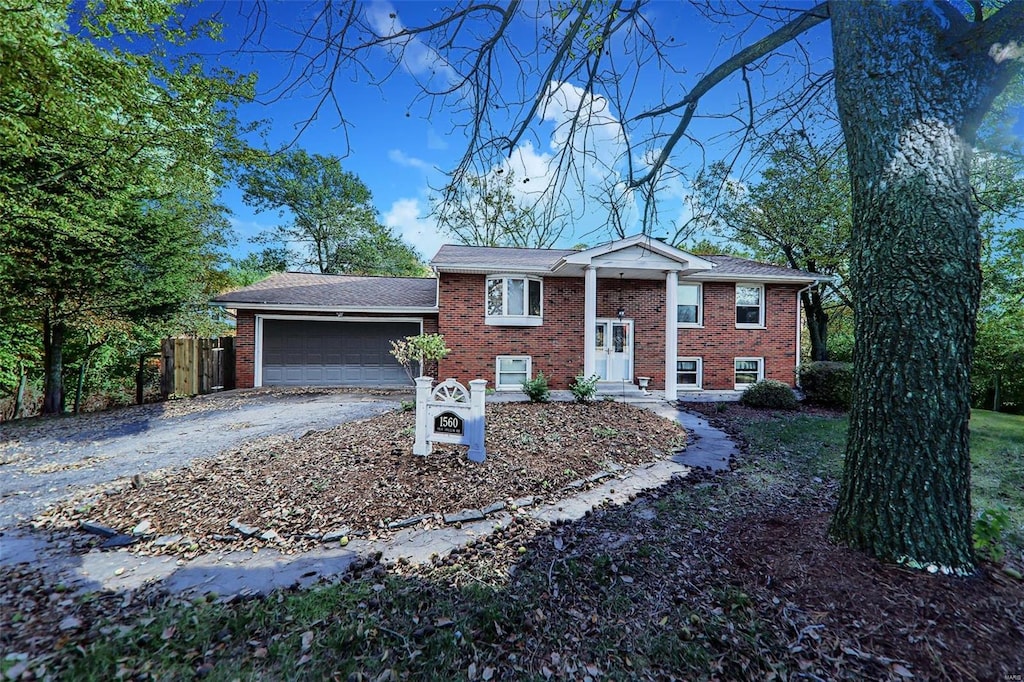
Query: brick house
[630,309]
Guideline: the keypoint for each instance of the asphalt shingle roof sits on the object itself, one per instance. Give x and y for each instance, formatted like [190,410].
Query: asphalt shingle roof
[451,255]
[308,289]
[743,267]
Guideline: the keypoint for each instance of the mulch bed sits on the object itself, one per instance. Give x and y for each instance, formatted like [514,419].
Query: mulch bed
[361,476]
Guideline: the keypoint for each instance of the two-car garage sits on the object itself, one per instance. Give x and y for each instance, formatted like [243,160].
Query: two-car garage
[308,329]
[331,352]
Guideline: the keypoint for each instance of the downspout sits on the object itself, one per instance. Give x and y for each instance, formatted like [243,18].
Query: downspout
[799,327]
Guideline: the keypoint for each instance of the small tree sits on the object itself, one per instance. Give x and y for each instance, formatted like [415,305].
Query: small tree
[415,350]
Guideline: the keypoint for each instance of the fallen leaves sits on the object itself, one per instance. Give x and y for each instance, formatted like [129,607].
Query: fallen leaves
[362,478]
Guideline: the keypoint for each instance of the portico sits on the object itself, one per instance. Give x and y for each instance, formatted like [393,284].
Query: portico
[608,342]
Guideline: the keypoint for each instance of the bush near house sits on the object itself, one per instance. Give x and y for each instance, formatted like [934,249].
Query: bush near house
[537,389]
[771,394]
[827,383]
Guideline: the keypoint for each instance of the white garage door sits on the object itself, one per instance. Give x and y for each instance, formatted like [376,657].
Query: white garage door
[332,353]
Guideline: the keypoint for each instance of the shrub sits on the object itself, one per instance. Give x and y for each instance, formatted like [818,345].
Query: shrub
[537,389]
[827,383]
[771,394]
[584,388]
[413,351]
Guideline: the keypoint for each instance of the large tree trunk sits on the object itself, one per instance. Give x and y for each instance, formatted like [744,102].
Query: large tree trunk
[907,106]
[53,366]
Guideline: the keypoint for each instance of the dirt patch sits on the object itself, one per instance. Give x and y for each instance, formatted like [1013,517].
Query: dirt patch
[887,617]
[362,476]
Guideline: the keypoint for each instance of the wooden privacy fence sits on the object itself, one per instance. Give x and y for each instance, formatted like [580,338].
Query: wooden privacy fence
[189,366]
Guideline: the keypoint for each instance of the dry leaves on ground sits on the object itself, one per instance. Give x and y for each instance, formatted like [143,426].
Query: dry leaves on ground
[361,476]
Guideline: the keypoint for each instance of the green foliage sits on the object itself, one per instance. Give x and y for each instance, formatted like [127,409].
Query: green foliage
[257,266]
[584,388]
[412,351]
[536,389]
[799,215]
[112,152]
[989,530]
[827,383]
[771,394]
[333,219]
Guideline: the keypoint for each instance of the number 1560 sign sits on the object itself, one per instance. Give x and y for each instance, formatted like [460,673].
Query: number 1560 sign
[447,422]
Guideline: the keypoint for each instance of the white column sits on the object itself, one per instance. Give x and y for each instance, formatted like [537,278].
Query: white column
[424,386]
[477,391]
[671,333]
[589,319]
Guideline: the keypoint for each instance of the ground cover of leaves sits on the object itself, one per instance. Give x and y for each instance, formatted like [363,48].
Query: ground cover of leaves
[717,577]
[361,476]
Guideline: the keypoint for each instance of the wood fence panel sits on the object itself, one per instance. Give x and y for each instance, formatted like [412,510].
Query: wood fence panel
[190,366]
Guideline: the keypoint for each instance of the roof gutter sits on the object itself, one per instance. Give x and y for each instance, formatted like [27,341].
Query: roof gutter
[281,307]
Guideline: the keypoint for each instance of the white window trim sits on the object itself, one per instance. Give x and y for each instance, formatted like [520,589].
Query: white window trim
[760,372]
[700,374]
[699,324]
[514,320]
[498,386]
[764,305]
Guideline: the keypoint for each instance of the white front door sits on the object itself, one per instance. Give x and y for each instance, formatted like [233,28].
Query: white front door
[613,350]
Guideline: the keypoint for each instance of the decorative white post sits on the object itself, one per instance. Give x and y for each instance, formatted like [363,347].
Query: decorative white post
[421,446]
[589,319]
[671,332]
[477,391]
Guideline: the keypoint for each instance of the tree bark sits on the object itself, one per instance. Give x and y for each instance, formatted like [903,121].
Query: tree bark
[19,397]
[53,365]
[817,323]
[907,107]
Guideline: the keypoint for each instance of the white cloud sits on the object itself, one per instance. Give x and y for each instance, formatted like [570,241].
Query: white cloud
[403,159]
[435,141]
[418,58]
[405,217]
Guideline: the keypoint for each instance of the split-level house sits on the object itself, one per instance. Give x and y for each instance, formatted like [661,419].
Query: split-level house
[633,311]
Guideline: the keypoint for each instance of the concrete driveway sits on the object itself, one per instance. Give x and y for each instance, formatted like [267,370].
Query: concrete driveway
[45,460]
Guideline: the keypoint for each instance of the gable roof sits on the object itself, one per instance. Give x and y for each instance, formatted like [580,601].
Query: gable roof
[335,293]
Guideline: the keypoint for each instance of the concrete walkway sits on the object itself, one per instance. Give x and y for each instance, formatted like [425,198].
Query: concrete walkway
[246,572]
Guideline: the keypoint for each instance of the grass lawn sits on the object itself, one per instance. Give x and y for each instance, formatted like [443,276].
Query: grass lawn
[815,444]
[725,576]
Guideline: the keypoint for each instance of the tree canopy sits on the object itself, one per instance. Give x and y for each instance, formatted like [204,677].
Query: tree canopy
[492,210]
[114,142]
[329,216]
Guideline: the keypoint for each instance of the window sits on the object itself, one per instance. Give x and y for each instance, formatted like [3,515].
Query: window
[688,373]
[748,371]
[513,301]
[513,370]
[689,308]
[749,305]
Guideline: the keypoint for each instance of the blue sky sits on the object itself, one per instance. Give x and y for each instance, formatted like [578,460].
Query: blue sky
[401,145]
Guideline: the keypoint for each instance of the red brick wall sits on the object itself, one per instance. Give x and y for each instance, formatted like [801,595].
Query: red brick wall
[556,347]
[719,342]
[245,342]
[644,302]
[245,348]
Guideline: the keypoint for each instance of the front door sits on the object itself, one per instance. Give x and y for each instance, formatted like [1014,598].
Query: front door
[613,350]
